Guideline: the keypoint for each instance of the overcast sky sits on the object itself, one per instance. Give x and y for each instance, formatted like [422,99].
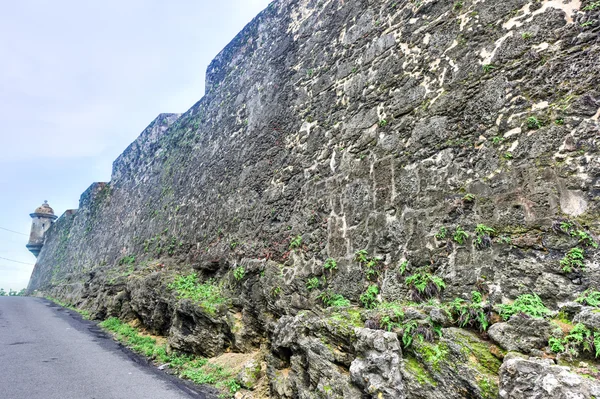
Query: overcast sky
[79,81]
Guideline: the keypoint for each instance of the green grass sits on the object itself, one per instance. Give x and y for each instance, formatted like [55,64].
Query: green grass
[208,295]
[83,312]
[196,369]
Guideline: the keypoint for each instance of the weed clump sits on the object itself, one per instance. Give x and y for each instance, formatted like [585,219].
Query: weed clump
[424,285]
[474,314]
[573,260]
[590,297]
[369,297]
[529,304]
[208,295]
[196,369]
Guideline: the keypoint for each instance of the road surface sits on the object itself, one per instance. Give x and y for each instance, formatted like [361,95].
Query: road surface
[48,352]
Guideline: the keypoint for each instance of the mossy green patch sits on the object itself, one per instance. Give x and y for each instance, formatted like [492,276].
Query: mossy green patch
[487,387]
[432,354]
[477,352]
[417,370]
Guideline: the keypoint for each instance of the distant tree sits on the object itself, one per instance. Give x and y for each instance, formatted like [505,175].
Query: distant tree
[2,292]
[12,293]
[21,293]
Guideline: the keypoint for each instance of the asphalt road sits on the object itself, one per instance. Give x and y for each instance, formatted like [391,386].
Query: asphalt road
[48,352]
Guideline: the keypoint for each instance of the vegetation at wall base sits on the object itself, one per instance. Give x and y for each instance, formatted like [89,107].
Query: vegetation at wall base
[195,368]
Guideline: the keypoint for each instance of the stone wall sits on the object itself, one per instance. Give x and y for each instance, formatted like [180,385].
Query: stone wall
[355,125]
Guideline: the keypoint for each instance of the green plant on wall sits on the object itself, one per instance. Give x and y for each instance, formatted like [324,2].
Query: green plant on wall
[296,242]
[460,236]
[331,299]
[483,236]
[573,260]
[312,283]
[424,285]
[239,273]
[529,304]
[369,297]
[330,264]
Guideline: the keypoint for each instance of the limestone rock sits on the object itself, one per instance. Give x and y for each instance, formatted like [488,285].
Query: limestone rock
[521,333]
[377,366]
[541,379]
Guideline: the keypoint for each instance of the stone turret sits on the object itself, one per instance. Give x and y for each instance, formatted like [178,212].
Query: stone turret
[42,219]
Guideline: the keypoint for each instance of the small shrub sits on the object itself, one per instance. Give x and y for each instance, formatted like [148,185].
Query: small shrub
[239,273]
[390,321]
[369,263]
[590,297]
[526,35]
[361,256]
[580,338]
[460,235]
[424,285]
[508,155]
[330,299]
[592,6]
[127,260]
[442,233]
[573,260]
[585,238]
[330,264]
[529,304]
[369,297]
[313,283]
[383,123]
[475,314]
[497,140]
[412,330]
[533,123]
[296,242]
[458,6]
[487,68]
[565,226]
[402,268]
[556,345]
[483,235]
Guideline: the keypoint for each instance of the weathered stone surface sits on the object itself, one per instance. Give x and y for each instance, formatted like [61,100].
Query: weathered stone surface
[377,366]
[330,127]
[541,379]
[589,316]
[521,333]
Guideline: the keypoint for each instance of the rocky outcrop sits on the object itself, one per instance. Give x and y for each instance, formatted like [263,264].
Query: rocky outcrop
[537,379]
[522,334]
[376,368]
[358,167]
